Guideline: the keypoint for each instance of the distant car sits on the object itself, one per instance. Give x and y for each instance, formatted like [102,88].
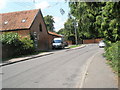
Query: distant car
[101,44]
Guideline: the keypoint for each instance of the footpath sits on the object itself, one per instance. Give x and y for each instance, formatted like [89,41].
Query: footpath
[20,59]
[99,74]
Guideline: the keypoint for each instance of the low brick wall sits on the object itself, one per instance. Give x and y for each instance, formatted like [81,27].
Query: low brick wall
[69,42]
[7,52]
[97,40]
[88,41]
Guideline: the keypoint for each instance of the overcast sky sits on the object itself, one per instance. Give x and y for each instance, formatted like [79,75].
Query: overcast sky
[48,7]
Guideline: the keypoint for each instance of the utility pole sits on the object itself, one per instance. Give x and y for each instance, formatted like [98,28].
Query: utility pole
[62,13]
[75,26]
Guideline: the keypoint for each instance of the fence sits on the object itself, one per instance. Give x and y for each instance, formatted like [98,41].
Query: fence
[88,41]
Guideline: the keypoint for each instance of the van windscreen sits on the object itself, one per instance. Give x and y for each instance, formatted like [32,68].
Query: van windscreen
[56,41]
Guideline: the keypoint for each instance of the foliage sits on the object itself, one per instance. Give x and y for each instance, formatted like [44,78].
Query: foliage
[49,20]
[86,15]
[61,31]
[111,21]
[97,19]
[112,54]
[10,39]
[27,46]
[68,29]
[21,45]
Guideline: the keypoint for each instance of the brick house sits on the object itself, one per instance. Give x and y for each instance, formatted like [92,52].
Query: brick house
[27,23]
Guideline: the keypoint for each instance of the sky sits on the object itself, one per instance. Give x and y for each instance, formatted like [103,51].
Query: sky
[48,7]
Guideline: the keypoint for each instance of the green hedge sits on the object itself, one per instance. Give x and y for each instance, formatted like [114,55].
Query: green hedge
[112,53]
[22,46]
[10,39]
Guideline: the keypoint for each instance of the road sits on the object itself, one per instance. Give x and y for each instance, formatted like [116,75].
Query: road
[63,69]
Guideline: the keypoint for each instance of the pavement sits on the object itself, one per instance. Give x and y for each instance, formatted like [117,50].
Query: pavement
[20,59]
[99,74]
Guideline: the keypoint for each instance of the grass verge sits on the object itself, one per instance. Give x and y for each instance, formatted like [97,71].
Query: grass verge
[74,46]
[112,54]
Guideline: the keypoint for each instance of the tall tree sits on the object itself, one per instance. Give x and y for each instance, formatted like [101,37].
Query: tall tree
[68,30]
[69,27]
[111,21]
[61,31]
[86,13]
[49,20]
[97,19]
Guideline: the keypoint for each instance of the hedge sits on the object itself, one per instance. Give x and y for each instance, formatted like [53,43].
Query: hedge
[112,54]
[22,46]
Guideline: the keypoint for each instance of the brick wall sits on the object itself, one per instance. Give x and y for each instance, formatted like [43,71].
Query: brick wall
[88,41]
[7,51]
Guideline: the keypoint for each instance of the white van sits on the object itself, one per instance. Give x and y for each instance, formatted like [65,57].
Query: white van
[57,43]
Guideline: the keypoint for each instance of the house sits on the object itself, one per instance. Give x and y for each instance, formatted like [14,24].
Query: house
[28,23]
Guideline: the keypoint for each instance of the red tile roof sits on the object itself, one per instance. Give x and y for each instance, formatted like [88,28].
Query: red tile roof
[55,34]
[13,20]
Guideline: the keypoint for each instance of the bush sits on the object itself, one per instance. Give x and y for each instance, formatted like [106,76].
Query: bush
[27,46]
[10,39]
[21,46]
[112,53]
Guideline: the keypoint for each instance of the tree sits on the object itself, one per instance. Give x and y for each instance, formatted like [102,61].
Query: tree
[69,27]
[97,19]
[49,20]
[86,13]
[68,31]
[61,31]
[111,21]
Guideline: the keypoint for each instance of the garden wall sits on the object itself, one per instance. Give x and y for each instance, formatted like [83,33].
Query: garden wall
[88,41]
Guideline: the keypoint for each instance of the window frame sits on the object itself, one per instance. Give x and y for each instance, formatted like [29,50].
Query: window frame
[40,27]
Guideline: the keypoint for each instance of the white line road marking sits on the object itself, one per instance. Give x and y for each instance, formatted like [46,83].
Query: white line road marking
[84,71]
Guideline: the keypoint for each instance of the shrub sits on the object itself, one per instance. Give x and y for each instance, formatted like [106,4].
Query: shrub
[112,53]
[21,46]
[10,39]
[27,46]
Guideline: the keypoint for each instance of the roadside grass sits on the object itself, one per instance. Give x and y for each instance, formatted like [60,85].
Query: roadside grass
[114,66]
[112,54]
[74,46]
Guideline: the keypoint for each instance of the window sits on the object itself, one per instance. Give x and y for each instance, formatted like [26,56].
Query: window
[57,41]
[6,22]
[23,20]
[40,27]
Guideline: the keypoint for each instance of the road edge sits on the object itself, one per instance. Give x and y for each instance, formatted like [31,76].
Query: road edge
[24,59]
[12,61]
[84,73]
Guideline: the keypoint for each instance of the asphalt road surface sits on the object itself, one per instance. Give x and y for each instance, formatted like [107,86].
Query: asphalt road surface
[63,69]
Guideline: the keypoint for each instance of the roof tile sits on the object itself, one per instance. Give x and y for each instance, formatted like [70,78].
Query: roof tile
[52,33]
[14,19]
